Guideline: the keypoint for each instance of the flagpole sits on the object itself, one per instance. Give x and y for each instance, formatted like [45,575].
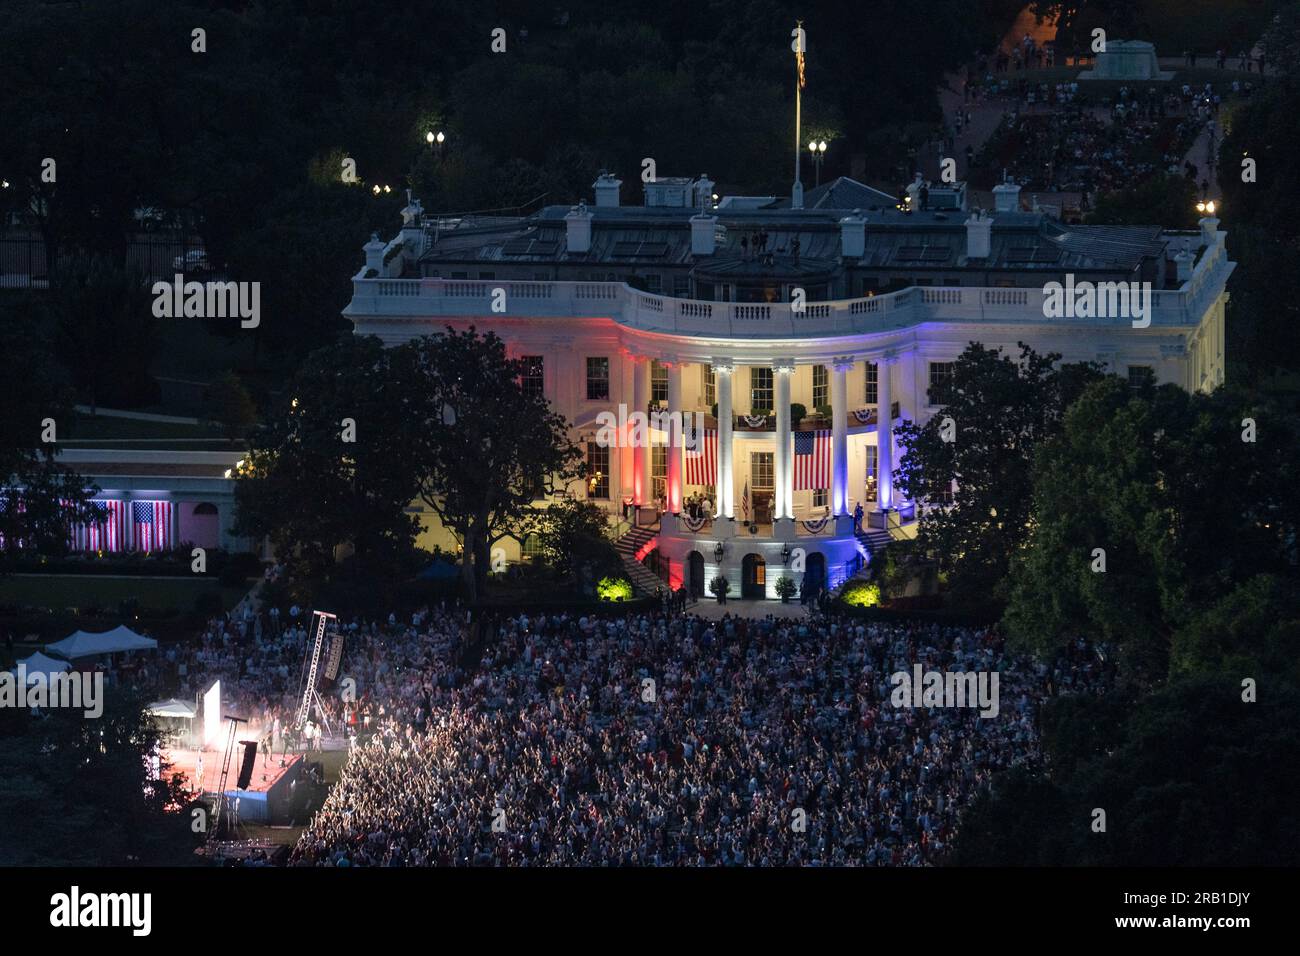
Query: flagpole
[796,194]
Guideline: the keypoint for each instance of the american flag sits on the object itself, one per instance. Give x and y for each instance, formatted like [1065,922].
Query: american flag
[812,460]
[702,457]
[152,525]
[107,533]
[744,503]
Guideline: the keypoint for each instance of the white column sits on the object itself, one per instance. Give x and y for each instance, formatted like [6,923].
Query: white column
[884,434]
[674,436]
[840,366]
[641,453]
[128,526]
[781,372]
[726,490]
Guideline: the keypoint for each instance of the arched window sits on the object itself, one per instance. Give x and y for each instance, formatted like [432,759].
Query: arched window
[205,508]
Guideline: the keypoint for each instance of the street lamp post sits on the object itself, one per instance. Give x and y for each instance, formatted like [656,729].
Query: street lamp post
[435,140]
[818,150]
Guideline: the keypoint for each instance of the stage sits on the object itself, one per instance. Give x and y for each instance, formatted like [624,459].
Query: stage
[269,792]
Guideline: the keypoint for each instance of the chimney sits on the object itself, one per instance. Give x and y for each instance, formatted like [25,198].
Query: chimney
[702,234]
[1006,197]
[578,229]
[374,250]
[979,236]
[412,228]
[1183,261]
[853,236]
[704,192]
[606,187]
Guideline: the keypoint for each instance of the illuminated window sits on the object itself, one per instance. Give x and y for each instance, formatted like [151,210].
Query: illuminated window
[821,387]
[597,379]
[533,380]
[760,389]
[597,470]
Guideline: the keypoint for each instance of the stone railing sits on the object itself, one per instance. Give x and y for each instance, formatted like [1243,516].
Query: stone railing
[377,300]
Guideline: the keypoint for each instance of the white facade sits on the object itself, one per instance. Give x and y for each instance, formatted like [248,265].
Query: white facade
[578,329]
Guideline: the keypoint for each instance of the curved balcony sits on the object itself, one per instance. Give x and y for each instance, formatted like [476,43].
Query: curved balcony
[378,305]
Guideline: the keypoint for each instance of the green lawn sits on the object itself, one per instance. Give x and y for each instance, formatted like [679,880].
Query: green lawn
[67,591]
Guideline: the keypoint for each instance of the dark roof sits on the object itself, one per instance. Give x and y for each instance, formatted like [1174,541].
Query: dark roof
[841,193]
[661,236]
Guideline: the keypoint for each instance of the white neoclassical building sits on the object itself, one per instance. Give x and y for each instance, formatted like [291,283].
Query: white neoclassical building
[800,337]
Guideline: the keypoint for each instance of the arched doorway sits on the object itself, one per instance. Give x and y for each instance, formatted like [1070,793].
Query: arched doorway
[814,574]
[753,577]
[200,525]
[695,574]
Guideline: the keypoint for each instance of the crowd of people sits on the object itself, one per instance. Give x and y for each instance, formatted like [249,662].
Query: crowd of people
[668,739]
[1076,150]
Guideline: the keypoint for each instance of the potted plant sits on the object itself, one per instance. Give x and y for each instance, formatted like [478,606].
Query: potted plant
[785,588]
[719,587]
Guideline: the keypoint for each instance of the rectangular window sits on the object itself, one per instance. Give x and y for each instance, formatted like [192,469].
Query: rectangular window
[597,470]
[541,276]
[1140,375]
[533,381]
[710,387]
[819,498]
[460,275]
[487,275]
[872,470]
[952,281]
[940,383]
[658,383]
[659,470]
[760,389]
[941,493]
[870,286]
[654,284]
[762,470]
[597,379]
[682,286]
[821,387]
[872,395]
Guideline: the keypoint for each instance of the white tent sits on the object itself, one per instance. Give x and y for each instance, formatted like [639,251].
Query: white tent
[172,708]
[38,663]
[90,644]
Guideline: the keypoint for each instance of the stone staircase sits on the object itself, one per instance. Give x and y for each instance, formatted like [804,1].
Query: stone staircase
[635,542]
[871,544]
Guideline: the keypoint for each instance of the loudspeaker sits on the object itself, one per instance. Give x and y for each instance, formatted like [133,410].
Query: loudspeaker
[246,768]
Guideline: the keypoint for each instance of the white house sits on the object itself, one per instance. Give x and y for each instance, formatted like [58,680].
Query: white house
[736,309]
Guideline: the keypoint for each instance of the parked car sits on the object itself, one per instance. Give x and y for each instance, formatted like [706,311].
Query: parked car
[196,260]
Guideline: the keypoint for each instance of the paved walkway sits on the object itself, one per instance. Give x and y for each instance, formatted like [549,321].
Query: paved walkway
[712,610]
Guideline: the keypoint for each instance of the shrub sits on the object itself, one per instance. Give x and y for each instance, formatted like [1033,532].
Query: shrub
[614,589]
[719,585]
[785,587]
[862,594]
[797,412]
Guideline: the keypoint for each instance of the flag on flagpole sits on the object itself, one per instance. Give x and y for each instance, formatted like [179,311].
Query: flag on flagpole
[702,457]
[798,53]
[744,503]
[152,523]
[812,460]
